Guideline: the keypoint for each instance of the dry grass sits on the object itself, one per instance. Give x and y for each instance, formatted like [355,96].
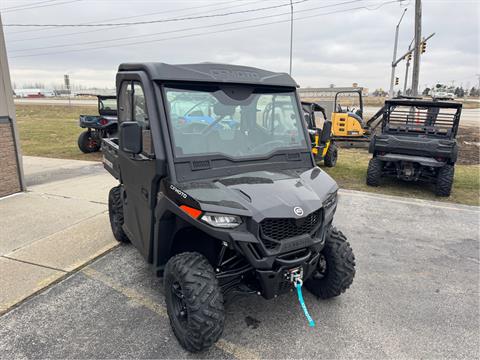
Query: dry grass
[52,130]
[351,169]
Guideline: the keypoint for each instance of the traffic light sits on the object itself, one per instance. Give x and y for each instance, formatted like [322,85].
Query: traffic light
[409,57]
[396,81]
[424,46]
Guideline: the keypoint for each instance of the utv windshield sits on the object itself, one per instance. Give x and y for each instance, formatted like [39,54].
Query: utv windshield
[107,104]
[233,121]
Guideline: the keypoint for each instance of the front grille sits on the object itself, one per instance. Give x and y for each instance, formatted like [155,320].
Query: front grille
[284,228]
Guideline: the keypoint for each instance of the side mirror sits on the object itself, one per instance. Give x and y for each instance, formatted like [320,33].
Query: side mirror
[326,132]
[130,137]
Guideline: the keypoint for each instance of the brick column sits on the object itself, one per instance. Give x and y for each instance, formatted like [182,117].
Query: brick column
[9,172]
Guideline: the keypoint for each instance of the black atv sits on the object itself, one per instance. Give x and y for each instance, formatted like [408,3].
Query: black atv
[222,211]
[98,126]
[417,142]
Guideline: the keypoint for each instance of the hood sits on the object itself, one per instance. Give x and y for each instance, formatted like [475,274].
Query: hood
[263,194]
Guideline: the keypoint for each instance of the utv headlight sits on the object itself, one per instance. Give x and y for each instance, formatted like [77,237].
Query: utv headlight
[330,201]
[221,220]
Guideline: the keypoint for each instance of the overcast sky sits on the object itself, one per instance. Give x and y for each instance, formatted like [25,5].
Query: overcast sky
[340,42]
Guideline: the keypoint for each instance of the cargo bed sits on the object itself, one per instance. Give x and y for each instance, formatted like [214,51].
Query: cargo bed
[110,156]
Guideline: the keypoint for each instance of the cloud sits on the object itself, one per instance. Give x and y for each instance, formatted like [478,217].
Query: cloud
[341,48]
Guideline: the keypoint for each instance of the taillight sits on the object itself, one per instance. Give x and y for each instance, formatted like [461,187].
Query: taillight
[103,121]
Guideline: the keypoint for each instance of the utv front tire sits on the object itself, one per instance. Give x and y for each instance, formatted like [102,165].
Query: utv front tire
[194,301]
[331,156]
[87,144]
[115,213]
[336,270]
[445,180]
[374,172]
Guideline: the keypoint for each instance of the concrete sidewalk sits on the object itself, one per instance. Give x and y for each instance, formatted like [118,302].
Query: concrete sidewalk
[54,228]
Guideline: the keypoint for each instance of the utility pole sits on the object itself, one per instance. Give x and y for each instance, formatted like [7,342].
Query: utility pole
[291,35]
[395,45]
[66,79]
[418,41]
[407,66]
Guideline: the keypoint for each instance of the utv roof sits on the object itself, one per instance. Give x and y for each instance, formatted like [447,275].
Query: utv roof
[211,72]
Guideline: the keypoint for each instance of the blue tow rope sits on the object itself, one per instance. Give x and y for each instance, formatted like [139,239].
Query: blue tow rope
[298,285]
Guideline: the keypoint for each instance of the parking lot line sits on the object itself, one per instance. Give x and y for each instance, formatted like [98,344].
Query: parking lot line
[128,292]
[239,352]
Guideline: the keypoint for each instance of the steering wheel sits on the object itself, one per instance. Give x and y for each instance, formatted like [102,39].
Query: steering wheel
[353,109]
[211,126]
[268,143]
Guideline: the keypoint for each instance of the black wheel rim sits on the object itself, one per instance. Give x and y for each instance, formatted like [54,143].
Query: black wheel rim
[321,269]
[178,304]
[91,143]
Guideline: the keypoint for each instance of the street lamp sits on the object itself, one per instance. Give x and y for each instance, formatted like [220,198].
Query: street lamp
[291,35]
[392,78]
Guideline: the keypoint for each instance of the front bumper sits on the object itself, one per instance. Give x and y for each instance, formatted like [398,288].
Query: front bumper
[277,281]
[269,266]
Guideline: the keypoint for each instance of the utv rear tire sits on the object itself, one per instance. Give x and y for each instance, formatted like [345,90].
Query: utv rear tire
[331,156]
[115,213]
[336,273]
[87,144]
[445,180]
[374,172]
[194,301]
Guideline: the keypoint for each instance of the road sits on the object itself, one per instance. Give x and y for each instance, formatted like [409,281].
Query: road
[470,117]
[415,295]
[47,101]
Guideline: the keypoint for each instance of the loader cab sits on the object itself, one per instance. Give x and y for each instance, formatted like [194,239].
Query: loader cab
[347,116]
[320,132]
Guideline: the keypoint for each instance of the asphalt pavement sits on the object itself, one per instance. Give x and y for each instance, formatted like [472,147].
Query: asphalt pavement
[415,295]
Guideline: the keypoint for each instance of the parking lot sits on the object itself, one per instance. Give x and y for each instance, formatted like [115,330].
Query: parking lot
[415,294]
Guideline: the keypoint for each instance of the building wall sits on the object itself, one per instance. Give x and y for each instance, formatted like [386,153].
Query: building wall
[9,174]
[11,171]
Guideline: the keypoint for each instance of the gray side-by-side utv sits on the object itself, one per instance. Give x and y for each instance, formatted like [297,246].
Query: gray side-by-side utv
[233,206]
[417,142]
[98,126]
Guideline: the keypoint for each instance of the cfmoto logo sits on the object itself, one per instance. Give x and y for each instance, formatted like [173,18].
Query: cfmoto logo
[298,210]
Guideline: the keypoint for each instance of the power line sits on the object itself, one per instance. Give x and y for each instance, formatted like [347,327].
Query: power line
[154,21]
[129,17]
[31,4]
[208,32]
[181,30]
[40,6]
[133,17]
